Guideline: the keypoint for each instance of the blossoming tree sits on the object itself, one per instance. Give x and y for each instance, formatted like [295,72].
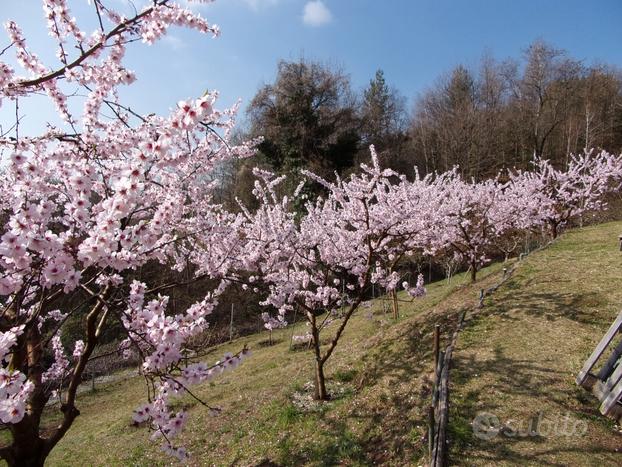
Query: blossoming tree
[89,201]
[466,217]
[574,192]
[325,263]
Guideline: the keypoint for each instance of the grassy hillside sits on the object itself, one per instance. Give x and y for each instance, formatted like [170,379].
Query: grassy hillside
[520,354]
[519,358]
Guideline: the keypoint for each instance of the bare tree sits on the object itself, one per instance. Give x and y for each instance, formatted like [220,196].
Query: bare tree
[547,104]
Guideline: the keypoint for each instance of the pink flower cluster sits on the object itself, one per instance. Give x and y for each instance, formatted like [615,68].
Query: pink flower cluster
[58,370]
[358,234]
[418,290]
[161,337]
[165,15]
[167,425]
[14,388]
[271,323]
[91,200]
[562,195]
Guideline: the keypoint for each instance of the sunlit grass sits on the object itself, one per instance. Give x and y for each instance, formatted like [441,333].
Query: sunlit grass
[382,368]
[519,358]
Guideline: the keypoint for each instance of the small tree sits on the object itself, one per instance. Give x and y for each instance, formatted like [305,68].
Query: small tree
[331,257]
[478,215]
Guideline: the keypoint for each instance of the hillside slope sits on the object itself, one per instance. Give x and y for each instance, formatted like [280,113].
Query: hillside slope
[556,307]
[518,359]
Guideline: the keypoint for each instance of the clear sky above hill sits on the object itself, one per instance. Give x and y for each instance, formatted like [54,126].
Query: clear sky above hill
[413,41]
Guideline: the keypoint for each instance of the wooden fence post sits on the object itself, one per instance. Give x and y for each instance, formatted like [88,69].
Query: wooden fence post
[437,340]
[437,376]
[291,337]
[394,304]
[436,345]
[606,385]
[608,368]
[431,424]
[599,350]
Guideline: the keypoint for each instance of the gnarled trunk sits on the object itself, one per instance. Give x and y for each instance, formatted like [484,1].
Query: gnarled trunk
[554,229]
[394,304]
[27,448]
[320,381]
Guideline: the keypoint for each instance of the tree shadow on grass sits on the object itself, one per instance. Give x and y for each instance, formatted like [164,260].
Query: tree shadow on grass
[489,382]
[395,390]
[530,380]
[383,417]
[269,343]
[337,444]
[582,307]
[397,371]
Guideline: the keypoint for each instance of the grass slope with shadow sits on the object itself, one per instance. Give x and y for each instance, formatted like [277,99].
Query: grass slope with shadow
[518,358]
[521,353]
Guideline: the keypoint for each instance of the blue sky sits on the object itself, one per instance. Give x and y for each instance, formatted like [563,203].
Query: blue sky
[413,41]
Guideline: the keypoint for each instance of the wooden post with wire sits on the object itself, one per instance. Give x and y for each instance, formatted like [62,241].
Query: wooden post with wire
[437,345]
[436,348]
[431,424]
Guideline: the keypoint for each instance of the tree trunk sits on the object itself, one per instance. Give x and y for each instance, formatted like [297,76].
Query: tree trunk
[394,304]
[554,232]
[473,272]
[27,449]
[320,381]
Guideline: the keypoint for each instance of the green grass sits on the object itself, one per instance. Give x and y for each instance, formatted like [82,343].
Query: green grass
[518,358]
[382,370]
